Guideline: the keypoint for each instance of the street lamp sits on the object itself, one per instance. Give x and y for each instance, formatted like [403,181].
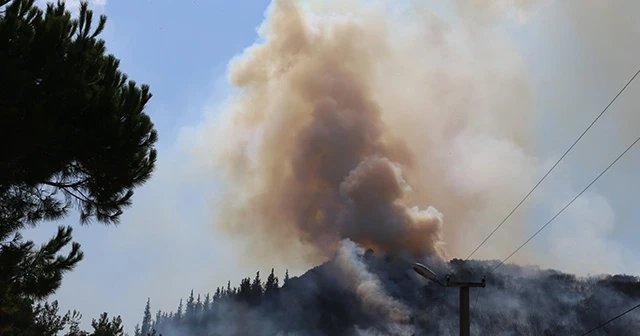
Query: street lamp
[427,273]
[465,320]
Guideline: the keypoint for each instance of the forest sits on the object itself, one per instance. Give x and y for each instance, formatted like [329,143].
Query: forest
[386,298]
[198,313]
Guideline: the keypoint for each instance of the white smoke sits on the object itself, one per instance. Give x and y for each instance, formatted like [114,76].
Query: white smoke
[367,285]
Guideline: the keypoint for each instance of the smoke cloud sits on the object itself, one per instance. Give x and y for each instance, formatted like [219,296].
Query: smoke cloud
[437,101]
[367,125]
[382,127]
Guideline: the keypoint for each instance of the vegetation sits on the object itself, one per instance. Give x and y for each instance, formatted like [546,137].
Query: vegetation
[202,312]
[74,136]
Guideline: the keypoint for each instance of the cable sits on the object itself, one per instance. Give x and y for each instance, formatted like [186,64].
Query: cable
[568,204]
[554,166]
[611,320]
[475,303]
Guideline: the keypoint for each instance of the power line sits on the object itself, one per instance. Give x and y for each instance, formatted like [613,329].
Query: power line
[554,166]
[568,204]
[611,320]
[476,300]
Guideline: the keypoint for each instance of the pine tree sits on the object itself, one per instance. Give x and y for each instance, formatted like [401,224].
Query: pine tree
[198,309]
[74,325]
[256,286]
[206,306]
[136,330]
[73,134]
[72,125]
[47,322]
[244,291]
[178,317]
[286,277]
[272,283]
[28,273]
[190,311]
[229,291]
[37,272]
[146,318]
[157,324]
[104,327]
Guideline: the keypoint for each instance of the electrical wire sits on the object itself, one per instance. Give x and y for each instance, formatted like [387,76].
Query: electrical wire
[568,204]
[556,164]
[611,320]
[475,303]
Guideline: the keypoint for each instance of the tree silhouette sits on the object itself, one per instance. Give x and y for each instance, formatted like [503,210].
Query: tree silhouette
[198,308]
[47,322]
[28,273]
[179,315]
[206,305]
[245,290]
[146,318]
[256,286]
[74,325]
[73,127]
[73,134]
[104,327]
[272,283]
[158,321]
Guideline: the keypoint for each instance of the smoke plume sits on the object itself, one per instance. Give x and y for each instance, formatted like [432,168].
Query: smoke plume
[367,286]
[367,124]
[356,122]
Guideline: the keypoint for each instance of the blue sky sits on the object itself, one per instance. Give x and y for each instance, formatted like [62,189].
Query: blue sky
[165,245]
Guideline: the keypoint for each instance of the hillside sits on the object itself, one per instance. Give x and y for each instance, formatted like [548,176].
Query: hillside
[361,293]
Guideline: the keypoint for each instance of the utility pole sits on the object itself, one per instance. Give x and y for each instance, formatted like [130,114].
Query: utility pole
[465,317]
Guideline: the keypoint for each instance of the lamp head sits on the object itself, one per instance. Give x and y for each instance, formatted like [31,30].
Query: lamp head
[425,272]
